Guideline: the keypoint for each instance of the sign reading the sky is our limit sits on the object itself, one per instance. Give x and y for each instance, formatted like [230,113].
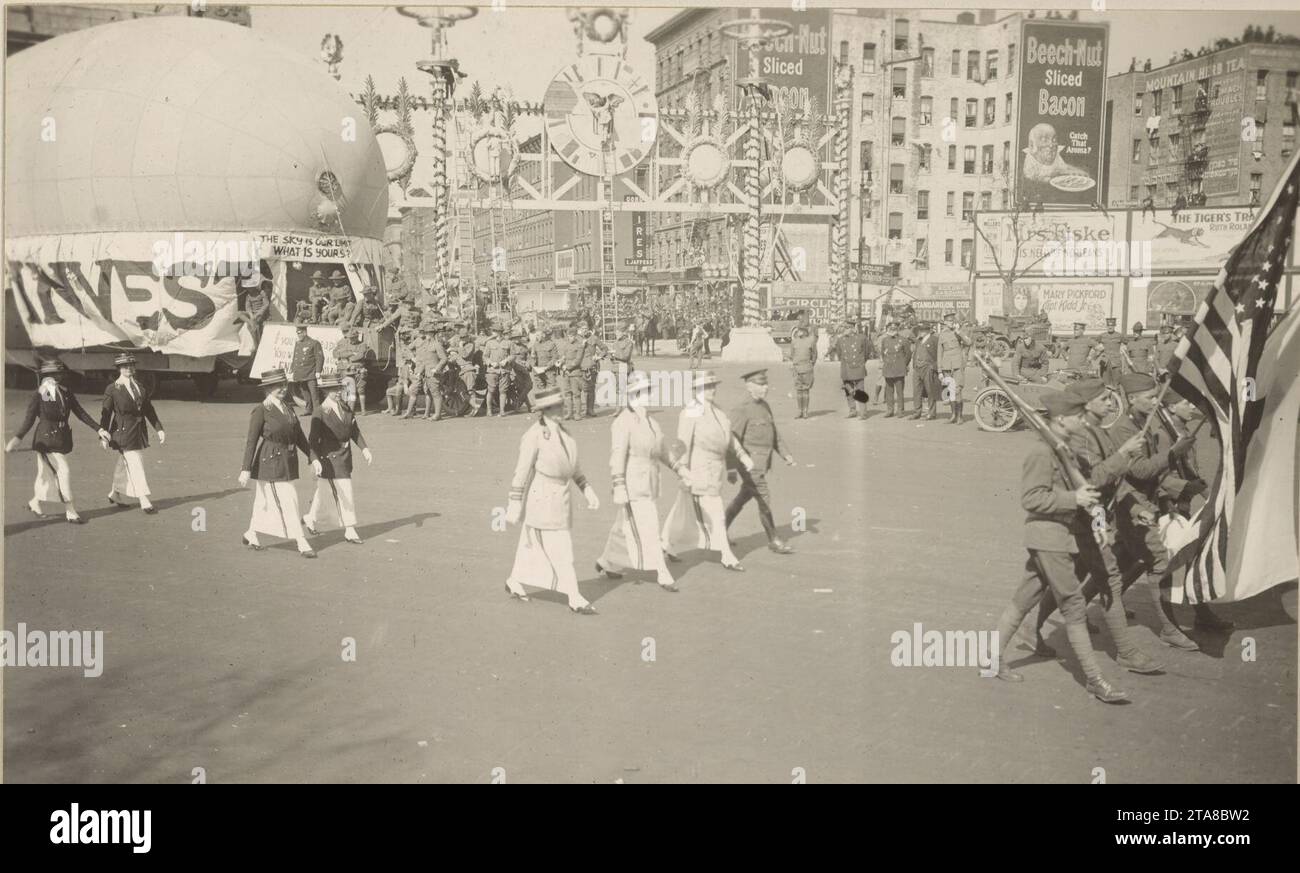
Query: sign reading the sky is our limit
[1062,83]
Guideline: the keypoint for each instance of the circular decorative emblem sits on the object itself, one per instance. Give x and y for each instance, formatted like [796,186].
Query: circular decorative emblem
[601,117]
[799,167]
[492,155]
[705,162]
[402,170]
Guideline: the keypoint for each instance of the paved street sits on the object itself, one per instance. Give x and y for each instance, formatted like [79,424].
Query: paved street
[222,658]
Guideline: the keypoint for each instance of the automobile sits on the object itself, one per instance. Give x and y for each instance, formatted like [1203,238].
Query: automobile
[782,322]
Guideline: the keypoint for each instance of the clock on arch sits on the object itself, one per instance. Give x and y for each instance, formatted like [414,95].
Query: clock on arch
[601,116]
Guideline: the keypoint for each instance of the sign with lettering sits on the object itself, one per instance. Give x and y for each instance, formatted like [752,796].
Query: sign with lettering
[1040,234]
[1194,238]
[278,339]
[1064,302]
[796,66]
[1062,80]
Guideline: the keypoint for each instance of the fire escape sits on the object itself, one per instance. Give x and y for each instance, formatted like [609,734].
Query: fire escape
[1195,156]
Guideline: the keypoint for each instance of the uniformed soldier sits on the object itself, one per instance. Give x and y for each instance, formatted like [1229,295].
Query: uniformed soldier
[544,360]
[497,353]
[1139,351]
[1165,345]
[573,381]
[698,344]
[1109,348]
[1030,360]
[350,363]
[755,428]
[318,293]
[853,348]
[620,354]
[338,298]
[522,374]
[803,363]
[368,312]
[256,307]
[307,363]
[952,364]
[431,364]
[925,370]
[1057,532]
[895,357]
[1078,350]
[468,359]
[591,355]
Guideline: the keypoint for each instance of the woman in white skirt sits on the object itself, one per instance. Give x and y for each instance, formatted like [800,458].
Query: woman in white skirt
[126,414]
[636,450]
[332,432]
[271,459]
[697,519]
[539,504]
[49,410]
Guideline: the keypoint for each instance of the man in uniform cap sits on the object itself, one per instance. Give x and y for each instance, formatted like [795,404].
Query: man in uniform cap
[803,364]
[593,351]
[853,349]
[755,427]
[573,381]
[522,375]
[952,364]
[544,360]
[1078,350]
[350,363]
[925,370]
[307,363]
[1166,343]
[432,361]
[497,353]
[317,295]
[1057,534]
[895,356]
[1139,351]
[1110,349]
[1030,360]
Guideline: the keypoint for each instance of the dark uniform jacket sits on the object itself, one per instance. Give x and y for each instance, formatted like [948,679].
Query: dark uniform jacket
[274,440]
[308,360]
[1078,351]
[755,427]
[621,349]
[51,420]
[895,355]
[1140,351]
[925,355]
[1151,473]
[1110,344]
[853,349]
[1032,360]
[545,354]
[1053,518]
[331,436]
[571,354]
[124,416]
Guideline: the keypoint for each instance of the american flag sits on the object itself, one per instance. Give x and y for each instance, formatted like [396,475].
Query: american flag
[1223,368]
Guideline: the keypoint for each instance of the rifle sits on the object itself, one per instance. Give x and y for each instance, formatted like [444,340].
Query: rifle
[1064,454]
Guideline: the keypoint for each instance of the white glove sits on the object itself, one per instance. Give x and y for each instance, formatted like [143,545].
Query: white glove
[12,444]
[370,459]
[104,435]
[514,511]
[316,467]
[593,502]
[162,437]
[243,479]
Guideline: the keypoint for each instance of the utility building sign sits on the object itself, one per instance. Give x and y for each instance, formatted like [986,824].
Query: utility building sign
[1062,85]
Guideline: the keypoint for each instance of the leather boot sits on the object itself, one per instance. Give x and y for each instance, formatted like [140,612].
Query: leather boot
[958,416]
[410,405]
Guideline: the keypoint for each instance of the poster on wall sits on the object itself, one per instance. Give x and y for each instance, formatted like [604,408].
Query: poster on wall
[1194,238]
[1173,298]
[1063,302]
[1062,81]
[796,66]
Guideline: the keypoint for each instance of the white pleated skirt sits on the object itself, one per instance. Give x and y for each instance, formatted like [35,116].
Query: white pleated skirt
[697,521]
[275,510]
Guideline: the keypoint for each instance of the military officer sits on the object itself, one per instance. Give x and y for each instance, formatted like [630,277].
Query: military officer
[497,353]
[1166,342]
[803,363]
[432,361]
[468,359]
[1109,349]
[307,363]
[853,348]
[1030,360]
[573,381]
[925,370]
[755,428]
[591,355]
[895,356]
[1078,350]
[544,360]
[952,364]
[1139,351]
[350,363]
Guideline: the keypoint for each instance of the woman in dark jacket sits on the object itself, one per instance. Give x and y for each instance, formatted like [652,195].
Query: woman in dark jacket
[271,459]
[333,430]
[49,409]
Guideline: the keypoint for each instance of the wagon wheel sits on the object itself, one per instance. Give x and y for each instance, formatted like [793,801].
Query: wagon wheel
[994,411]
[999,347]
[1118,400]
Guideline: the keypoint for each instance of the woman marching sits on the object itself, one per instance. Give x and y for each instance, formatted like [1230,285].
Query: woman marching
[127,406]
[634,457]
[697,519]
[49,410]
[333,430]
[271,459]
[539,503]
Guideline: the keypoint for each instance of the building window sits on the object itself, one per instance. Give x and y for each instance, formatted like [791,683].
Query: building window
[1006,157]
[986,160]
[900,34]
[1261,84]
[868,57]
[986,201]
[927,62]
[923,158]
[868,108]
[947,252]
[972,112]
[922,205]
[927,110]
[1153,152]
[898,131]
[1171,192]
[1155,101]
[1007,117]
[967,206]
[1174,141]
[1133,193]
[952,110]
[844,51]
[922,259]
[1011,59]
[952,157]
[1288,130]
[1137,150]
[1151,193]
[895,178]
[899,77]
[990,111]
[864,159]
[1291,77]
[991,64]
[948,211]
[967,250]
[1176,99]
[968,160]
[973,65]
[956,62]
[1137,103]
[895,225]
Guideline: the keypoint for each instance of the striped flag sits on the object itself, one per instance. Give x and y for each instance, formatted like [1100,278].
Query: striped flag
[1243,540]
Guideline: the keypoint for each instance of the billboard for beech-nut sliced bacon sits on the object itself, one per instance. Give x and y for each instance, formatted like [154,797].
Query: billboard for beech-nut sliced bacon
[1062,103]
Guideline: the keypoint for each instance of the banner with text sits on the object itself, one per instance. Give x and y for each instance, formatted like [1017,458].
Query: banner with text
[1040,235]
[276,347]
[796,66]
[1064,302]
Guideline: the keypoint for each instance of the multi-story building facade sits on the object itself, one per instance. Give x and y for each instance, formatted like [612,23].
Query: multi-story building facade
[29,24]
[1213,130]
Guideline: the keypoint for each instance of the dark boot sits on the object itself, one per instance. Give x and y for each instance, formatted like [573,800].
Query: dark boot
[958,415]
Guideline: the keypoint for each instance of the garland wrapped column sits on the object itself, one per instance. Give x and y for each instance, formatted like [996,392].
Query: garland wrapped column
[753,310]
[442,202]
[840,221]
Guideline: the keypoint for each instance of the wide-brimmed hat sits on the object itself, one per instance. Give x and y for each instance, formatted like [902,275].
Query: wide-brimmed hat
[337,276]
[545,398]
[329,380]
[125,359]
[318,275]
[638,381]
[759,376]
[274,376]
[48,367]
[705,379]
